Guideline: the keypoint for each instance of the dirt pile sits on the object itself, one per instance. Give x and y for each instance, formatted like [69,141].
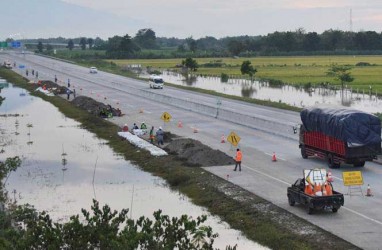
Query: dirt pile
[94,107]
[56,89]
[194,153]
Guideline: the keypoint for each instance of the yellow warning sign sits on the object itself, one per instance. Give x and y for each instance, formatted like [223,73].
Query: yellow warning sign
[166,117]
[233,138]
[352,178]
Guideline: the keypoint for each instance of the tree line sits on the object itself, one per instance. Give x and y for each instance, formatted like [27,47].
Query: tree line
[298,42]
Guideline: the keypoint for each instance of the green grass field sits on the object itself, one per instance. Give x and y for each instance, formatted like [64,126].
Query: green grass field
[293,70]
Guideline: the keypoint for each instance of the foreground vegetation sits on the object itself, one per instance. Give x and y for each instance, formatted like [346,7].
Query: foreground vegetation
[244,211]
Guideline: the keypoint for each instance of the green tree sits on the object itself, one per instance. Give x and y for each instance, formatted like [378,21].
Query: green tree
[83,43]
[146,39]
[40,46]
[104,228]
[341,73]
[49,47]
[90,41]
[235,47]
[247,68]
[70,44]
[192,45]
[190,63]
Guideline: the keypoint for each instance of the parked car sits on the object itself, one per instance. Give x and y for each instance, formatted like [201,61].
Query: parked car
[93,70]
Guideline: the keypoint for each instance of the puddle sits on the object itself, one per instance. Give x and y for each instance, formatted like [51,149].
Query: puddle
[60,162]
[364,100]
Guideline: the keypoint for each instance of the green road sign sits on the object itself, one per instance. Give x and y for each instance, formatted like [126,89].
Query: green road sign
[3,44]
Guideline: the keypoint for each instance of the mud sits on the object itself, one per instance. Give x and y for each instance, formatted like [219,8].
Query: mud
[94,107]
[194,153]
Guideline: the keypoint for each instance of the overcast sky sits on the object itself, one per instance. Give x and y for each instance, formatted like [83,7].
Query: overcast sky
[182,18]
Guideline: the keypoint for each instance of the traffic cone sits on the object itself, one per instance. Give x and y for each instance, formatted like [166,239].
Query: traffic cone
[141,110]
[180,125]
[195,130]
[274,157]
[222,139]
[368,192]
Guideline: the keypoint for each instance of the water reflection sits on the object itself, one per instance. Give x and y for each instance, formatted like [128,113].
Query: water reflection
[66,166]
[307,95]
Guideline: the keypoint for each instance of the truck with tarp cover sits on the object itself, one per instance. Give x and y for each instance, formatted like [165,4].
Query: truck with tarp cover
[340,135]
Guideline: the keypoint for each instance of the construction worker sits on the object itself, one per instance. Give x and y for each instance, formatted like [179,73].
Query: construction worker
[238,157]
[143,125]
[152,135]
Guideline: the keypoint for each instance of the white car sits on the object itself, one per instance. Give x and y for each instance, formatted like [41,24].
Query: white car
[93,70]
[156,82]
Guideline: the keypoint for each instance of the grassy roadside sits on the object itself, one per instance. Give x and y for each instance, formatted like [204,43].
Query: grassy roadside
[258,219]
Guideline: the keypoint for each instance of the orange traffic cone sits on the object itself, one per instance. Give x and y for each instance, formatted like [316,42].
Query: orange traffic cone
[141,110]
[368,192]
[180,125]
[222,139]
[274,157]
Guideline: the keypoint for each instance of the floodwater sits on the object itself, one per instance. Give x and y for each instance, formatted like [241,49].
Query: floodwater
[365,100]
[61,161]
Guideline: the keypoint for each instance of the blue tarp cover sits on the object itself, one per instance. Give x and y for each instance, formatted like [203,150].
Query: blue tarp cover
[355,127]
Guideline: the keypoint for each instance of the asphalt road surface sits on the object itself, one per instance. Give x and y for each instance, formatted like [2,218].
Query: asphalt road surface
[263,131]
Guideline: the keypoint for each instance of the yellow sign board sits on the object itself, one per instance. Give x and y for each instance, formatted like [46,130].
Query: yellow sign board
[352,178]
[166,117]
[233,138]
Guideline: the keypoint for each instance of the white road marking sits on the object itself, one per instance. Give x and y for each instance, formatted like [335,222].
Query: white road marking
[267,175]
[363,216]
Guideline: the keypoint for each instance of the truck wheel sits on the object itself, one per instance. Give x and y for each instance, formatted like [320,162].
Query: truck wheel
[359,164]
[291,201]
[310,210]
[303,152]
[334,210]
[331,163]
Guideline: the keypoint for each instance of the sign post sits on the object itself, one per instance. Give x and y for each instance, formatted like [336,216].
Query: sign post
[234,139]
[166,117]
[354,181]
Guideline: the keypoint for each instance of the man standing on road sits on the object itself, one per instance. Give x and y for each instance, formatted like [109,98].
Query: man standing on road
[238,159]
[160,135]
[152,135]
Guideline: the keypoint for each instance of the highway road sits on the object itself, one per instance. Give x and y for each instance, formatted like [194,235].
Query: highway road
[263,130]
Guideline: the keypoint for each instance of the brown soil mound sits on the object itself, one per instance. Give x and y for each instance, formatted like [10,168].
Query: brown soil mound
[56,89]
[195,153]
[94,107]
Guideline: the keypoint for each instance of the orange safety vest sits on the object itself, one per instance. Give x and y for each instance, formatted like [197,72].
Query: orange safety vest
[238,156]
[329,190]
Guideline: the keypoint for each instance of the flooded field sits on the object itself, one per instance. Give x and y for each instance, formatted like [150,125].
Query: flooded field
[65,167]
[300,97]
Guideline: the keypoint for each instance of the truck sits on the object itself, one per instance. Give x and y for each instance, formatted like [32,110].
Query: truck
[320,200]
[339,136]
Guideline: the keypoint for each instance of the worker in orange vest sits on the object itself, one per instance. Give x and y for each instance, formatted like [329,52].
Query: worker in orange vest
[238,159]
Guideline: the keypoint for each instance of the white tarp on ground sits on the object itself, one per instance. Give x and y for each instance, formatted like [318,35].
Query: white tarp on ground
[45,91]
[139,142]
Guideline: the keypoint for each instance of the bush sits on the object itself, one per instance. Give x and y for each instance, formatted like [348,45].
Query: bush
[361,64]
[224,77]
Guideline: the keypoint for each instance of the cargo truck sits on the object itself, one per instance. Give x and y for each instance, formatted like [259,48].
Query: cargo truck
[340,136]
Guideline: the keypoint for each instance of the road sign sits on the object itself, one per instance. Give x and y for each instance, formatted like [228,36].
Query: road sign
[3,44]
[16,44]
[233,138]
[352,178]
[21,66]
[166,117]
